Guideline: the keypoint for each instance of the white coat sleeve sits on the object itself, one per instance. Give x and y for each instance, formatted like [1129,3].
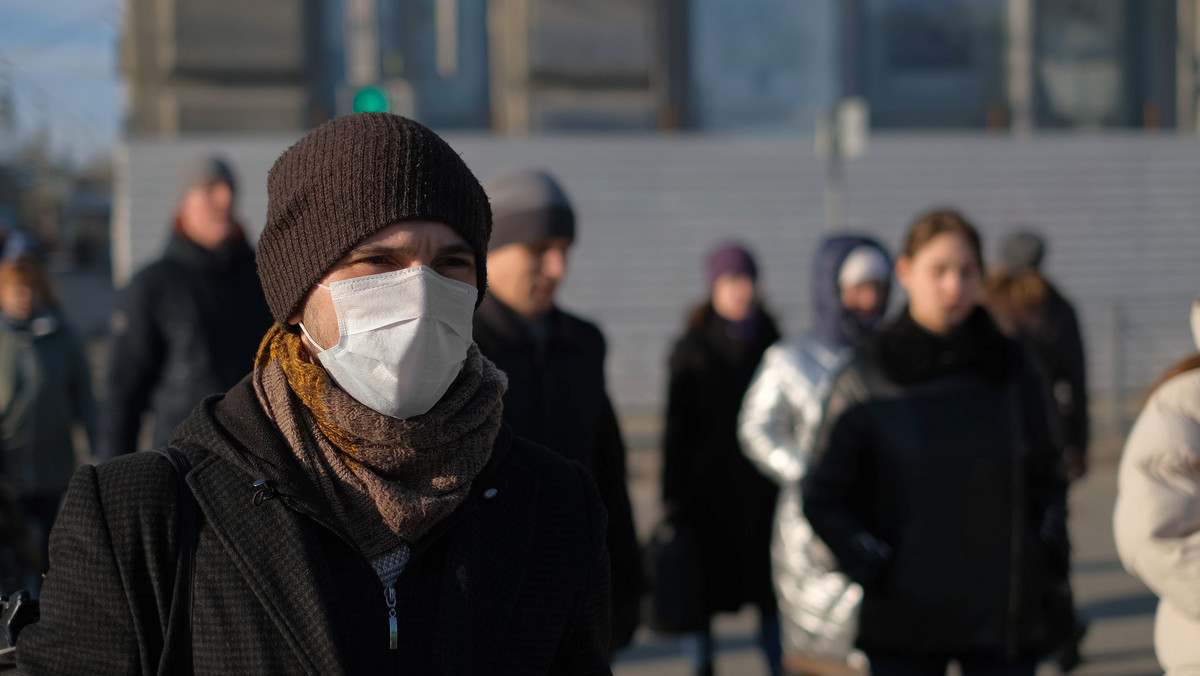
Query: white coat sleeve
[1156,522]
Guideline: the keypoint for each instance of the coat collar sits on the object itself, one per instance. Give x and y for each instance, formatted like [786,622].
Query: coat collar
[909,354]
[498,328]
[280,557]
[224,258]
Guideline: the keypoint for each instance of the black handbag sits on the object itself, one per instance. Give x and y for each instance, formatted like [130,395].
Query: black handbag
[677,579]
[19,610]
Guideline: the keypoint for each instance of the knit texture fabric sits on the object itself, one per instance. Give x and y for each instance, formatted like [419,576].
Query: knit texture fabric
[350,178]
[528,206]
[388,480]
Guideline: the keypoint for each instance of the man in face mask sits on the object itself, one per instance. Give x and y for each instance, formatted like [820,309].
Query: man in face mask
[363,507]
[555,360]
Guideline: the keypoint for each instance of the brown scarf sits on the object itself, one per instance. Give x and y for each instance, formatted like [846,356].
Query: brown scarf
[388,480]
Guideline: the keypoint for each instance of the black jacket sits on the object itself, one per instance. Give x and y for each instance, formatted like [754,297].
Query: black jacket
[557,397]
[188,326]
[937,484]
[1055,340]
[729,505]
[515,583]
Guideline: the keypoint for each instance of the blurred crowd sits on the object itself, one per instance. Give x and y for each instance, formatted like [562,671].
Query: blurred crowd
[887,488]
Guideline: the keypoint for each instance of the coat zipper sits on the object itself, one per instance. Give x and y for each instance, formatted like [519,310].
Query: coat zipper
[389,597]
[266,491]
[389,591]
[1018,531]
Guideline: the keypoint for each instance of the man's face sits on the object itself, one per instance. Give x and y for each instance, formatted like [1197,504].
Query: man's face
[525,276]
[206,214]
[397,247]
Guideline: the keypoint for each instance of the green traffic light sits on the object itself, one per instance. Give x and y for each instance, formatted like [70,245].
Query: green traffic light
[370,99]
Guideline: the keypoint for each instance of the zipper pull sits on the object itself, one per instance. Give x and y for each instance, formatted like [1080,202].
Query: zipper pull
[389,597]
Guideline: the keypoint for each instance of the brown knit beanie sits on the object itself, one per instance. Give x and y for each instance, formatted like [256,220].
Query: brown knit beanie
[350,178]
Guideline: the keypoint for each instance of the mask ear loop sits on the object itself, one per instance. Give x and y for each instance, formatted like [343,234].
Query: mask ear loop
[309,335]
[310,338]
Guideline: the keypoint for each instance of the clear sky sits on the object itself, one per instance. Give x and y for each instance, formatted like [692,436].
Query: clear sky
[62,58]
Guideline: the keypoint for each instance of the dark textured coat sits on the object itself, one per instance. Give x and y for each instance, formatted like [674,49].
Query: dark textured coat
[557,397]
[706,478]
[941,450]
[188,326]
[515,583]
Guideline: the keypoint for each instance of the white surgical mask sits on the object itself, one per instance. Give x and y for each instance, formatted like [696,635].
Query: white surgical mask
[402,338]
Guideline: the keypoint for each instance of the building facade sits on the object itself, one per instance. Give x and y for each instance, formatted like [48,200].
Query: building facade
[219,66]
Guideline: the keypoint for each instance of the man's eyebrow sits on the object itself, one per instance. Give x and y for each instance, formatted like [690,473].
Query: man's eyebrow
[370,250]
[455,249]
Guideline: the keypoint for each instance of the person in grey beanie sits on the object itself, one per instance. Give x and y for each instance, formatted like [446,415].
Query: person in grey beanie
[188,324]
[361,507]
[555,361]
[1031,309]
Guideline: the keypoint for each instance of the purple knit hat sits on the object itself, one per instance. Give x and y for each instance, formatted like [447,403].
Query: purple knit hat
[730,257]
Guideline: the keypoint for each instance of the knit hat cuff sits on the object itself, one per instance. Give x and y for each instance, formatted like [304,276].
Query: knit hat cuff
[531,226]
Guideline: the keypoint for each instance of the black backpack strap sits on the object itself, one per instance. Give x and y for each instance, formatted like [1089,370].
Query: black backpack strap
[177,644]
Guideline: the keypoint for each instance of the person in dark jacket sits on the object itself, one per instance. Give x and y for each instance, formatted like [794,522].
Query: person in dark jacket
[363,507]
[554,361]
[937,483]
[188,324]
[708,485]
[45,396]
[1030,309]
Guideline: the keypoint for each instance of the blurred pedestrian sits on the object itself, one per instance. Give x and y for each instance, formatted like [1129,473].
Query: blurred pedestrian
[188,324]
[1029,308]
[364,509]
[851,281]
[45,396]
[936,481]
[708,485]
[554,361]
[1155,521]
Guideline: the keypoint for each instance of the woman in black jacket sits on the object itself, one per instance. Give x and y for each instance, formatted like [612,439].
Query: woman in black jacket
[936,481]
[708,485]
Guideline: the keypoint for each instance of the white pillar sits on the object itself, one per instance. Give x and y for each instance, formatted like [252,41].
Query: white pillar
[1187,61]
[1020,66]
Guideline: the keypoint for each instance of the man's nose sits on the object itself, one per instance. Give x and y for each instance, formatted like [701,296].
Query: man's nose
[554,263]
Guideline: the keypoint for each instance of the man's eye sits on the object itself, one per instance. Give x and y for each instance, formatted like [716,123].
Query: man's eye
[456,262]
[377,260]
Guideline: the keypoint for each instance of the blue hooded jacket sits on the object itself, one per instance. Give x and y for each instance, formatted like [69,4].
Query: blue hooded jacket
[833,325]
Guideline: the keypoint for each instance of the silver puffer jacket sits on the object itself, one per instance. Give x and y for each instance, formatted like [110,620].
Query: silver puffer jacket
[780,415]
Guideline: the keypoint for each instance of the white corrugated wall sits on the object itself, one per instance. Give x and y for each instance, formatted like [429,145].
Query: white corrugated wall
[1120,211]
